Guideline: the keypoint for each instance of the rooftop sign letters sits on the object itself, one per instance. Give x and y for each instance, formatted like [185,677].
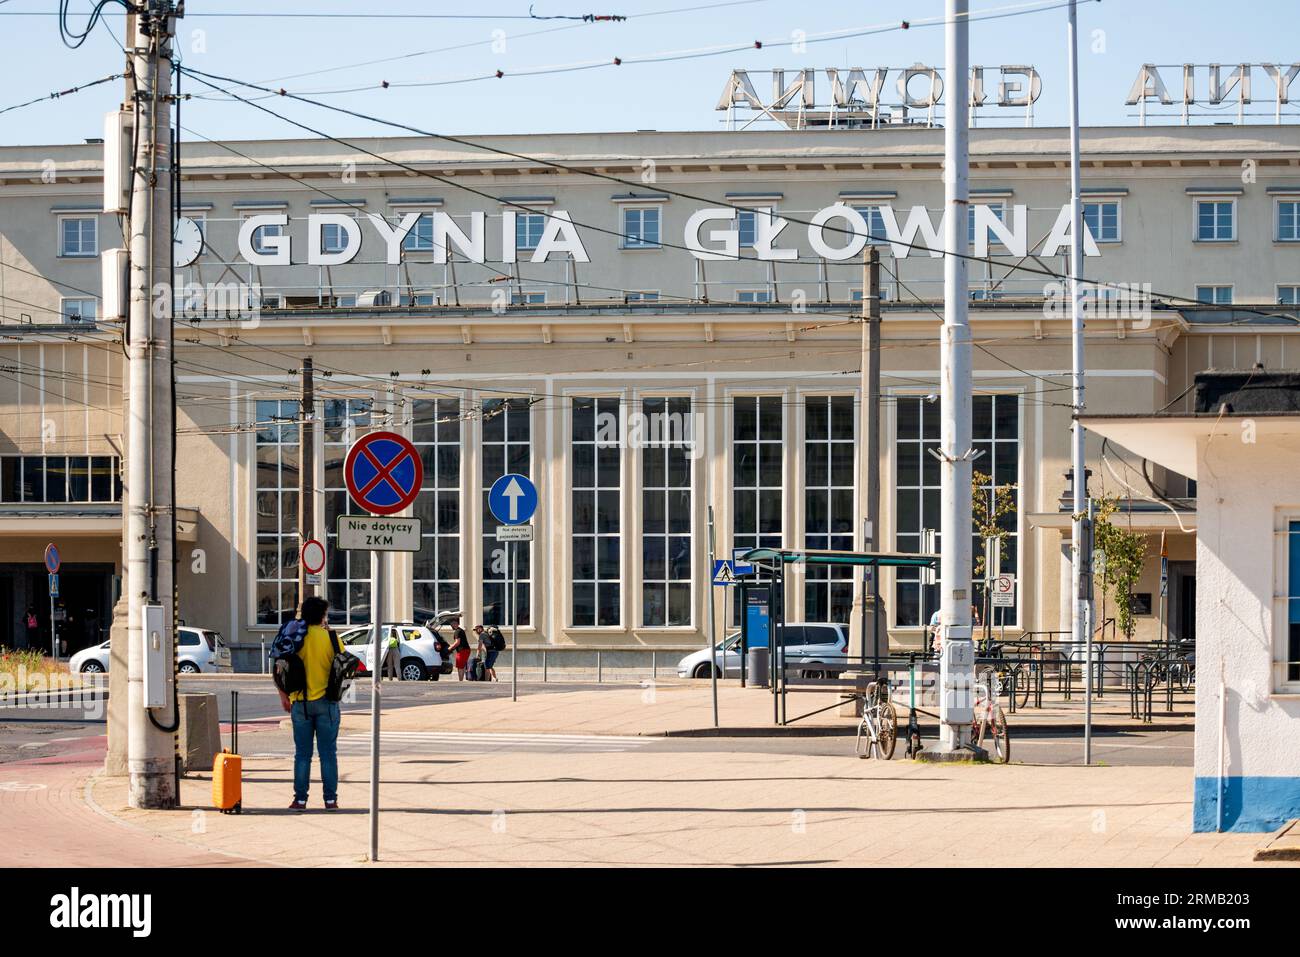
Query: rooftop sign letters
[917,87]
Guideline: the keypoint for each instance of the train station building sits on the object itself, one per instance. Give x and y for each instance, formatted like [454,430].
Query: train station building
[593,311]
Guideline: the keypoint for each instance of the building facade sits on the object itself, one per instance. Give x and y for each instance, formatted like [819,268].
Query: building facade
[638,383]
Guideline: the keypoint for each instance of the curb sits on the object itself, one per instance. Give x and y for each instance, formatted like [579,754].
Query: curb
[1275,850]
[829,731]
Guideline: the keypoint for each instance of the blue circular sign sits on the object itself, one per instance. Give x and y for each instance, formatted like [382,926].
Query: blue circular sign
[52,558]
[513,499]
[383,472]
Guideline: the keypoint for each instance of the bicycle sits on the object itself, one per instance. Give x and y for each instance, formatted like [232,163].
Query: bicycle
[879,724]
[990,718]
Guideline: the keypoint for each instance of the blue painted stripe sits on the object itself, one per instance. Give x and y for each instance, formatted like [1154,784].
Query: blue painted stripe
[1249,803]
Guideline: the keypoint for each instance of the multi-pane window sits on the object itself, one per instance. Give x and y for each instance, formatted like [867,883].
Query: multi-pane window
[998,208]
[435,578]
[528,298]
[78,236]
[996,430]
[828,453]
[347,572]
[420,238]
[507,444]
[262,233]
[753,295]
[1102,220]
[276,507]
[333,238]
[528,229]
[666,513]
[59,478]
[1291,668]
[641,228]
[597,460]
[643,296]
[757,457]
[1288,220]
[79,310]
[1214,295]
[875,224]
[419,299]
[1216,220]
[747,225]
[1288,295]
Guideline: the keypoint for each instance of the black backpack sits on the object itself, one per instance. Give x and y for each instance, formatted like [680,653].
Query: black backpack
[498,639]
[343,668]
[289,674]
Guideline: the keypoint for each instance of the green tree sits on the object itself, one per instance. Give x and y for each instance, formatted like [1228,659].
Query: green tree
[989,508]
[1125,554]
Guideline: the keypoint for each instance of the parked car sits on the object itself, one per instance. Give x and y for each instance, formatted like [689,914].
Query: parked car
[199,651]
[806,643]
[418,657]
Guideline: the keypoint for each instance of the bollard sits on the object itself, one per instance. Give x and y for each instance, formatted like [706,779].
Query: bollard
[544,664]
[654,665]
[263,656]
[600,674]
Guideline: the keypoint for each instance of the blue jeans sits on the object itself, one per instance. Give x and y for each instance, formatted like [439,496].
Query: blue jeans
[319,718]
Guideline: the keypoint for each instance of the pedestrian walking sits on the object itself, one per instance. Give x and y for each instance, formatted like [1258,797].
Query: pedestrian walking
[32,629]
[315,717]
[460,648]
[493,643]
[392,655]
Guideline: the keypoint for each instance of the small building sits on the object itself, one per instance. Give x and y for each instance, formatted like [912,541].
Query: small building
[1241,445]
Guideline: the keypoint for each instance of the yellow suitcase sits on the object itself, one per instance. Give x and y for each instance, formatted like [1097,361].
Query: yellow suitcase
[228,768]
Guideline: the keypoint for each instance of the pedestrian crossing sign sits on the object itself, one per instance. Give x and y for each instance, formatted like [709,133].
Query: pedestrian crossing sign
[724,572]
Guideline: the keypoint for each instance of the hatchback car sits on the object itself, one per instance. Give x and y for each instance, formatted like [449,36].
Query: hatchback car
[417,652]
[199,651]
[806,643]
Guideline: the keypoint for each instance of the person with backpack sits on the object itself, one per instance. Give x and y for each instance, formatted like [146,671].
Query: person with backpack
[460,647]
[32,626]
[315,716]
[493,643]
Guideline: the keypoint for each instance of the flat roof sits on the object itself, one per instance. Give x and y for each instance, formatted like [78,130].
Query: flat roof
[1173,440]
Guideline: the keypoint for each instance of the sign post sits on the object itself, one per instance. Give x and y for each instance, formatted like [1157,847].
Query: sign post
[512,501]
[52,562]
[312,557]
[383,473]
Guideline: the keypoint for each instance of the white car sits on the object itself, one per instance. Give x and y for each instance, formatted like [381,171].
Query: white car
[806,643]
[200,651]
[418,655]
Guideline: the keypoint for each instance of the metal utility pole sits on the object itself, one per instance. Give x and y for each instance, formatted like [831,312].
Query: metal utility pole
[713,637]
[306,472]
[956,667]
[1081,630]
[150,545]
[871,400]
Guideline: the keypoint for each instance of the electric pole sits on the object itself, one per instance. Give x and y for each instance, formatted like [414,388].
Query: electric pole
[871,395]
[306,474]
[150,545]
[1080,606]
[957,663]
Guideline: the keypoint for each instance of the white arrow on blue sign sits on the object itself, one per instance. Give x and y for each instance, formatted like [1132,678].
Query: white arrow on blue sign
[513,499]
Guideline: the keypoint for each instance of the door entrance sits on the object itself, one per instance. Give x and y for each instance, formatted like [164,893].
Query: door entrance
[83,611]
[1182,601]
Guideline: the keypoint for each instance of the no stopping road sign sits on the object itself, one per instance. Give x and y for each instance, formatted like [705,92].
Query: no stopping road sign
[383,472]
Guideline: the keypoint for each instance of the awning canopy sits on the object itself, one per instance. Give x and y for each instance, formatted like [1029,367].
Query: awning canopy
[813,556]
[1173,440]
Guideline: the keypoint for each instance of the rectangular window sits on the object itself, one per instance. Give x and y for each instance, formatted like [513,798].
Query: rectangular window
[261,234]
[528,298]
[1216,220]
[753,295]
[1288,220]
[641,228]
[276,507]
[597,521]
[506,449]
[996,431]
[1102,220]
[79,310]
[1291,664]
[420,238]
[757,479]
[347,573]
[1288,295]
[1214,295]
[999,210]
[333,238]
[747,225]
[830,445]
[435,578]
[58,478]
[419,299]
[875,224]
[528,229]
[666,514]
[78,236]
[644,296]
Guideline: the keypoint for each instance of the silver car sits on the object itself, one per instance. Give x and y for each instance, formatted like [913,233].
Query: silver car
[806,643]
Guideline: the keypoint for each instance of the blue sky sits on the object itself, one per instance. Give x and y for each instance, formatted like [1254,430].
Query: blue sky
[671,95]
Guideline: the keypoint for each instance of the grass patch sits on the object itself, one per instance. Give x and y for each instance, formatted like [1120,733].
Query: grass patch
[22,671]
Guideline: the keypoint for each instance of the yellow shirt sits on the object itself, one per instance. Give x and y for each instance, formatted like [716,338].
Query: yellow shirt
[316,653]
